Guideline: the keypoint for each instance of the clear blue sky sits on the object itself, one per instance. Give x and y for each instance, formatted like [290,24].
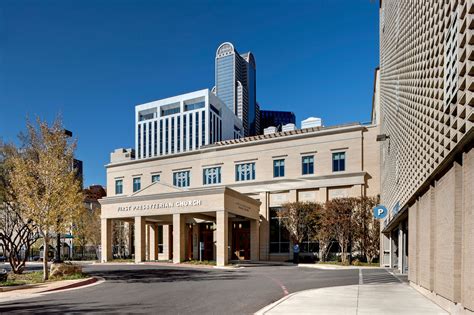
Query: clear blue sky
[93,61]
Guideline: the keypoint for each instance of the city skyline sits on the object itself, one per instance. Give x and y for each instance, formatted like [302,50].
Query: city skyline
[93,87]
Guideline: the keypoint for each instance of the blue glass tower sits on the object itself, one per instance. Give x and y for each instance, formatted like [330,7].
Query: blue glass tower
[236,85]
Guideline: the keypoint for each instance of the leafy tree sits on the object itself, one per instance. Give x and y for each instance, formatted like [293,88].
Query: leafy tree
[367,228]
[86,227]
[300,219]
[339,220]
[325,233]
[44,181]
[17,234]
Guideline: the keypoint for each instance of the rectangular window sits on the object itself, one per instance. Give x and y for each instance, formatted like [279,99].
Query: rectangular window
[211,175]
[279,236]
[139,141]
[172,136]
[149,139]
[191,131]
[307,164]
[137,184]
[178,130]
[167,135]
[339,161]
[278,168]
[182,179]
[161,137]
[196,134]
[184,133]
[155,151]
[245,172]
[155,178]
[194,106]
[203,125]
[118,186]
[170,110]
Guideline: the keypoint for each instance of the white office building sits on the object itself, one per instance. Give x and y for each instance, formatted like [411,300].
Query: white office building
[183,123]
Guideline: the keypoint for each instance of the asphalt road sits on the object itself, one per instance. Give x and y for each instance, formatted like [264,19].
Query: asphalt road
[179,290]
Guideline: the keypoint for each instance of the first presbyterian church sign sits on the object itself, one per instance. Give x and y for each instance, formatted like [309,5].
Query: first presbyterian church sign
[161,205]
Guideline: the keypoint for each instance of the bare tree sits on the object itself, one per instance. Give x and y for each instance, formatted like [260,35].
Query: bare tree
[44,181]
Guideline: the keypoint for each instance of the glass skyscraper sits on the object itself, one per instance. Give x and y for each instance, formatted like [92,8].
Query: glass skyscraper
[236,85]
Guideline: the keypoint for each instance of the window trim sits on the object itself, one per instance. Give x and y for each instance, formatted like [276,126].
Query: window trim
[302,165]
[332,161]
[175,180]
[219,175]
[279,168]
[139,183]
[121,186]
[154,175]
[254,172]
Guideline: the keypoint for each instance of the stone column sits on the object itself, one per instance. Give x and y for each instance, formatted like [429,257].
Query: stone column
[222,251]
[106,240]
[129,230]
[147,242]
[401,248]
[323,194]
[166,243]
[196,242]
[178,238]
[293,195]
[140,229]
[264,227]
[254,240]
[153,237]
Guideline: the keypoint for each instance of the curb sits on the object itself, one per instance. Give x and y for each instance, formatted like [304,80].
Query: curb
[277,302]
[19,287]
[85,282]
[336,267]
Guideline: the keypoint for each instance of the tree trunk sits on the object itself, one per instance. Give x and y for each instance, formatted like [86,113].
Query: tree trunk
[45,258]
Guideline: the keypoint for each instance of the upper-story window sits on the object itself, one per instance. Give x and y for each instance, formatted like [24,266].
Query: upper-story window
[211,175]
[182,179]
[137,184]
[245,171]
[307,163]
[118,186]
[155,178]
[339,161]
[194,106]
[279,168]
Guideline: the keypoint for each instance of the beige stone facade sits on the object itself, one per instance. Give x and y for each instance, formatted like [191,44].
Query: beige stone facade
[427,116]
[240,204]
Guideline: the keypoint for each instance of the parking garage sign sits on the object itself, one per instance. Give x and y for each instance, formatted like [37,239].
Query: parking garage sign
[380,212]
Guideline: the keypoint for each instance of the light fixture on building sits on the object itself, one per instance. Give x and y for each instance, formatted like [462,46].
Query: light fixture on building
[382,137]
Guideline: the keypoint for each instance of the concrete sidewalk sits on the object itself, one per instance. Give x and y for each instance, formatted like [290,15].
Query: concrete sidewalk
[393,298]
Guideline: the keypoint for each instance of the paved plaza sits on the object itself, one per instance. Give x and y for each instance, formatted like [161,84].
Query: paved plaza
[168,289]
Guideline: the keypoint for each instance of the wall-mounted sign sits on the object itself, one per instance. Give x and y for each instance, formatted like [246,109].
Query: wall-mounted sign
[380,212]
[396,208]
[161,205]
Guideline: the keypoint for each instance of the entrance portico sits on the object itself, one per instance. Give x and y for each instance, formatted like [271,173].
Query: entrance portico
[202,223]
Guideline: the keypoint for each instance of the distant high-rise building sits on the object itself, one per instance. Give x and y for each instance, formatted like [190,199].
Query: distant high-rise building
[275,118]
[236,85]
[182,123]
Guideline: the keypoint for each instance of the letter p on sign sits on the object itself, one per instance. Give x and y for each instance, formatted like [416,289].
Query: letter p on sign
[380,212]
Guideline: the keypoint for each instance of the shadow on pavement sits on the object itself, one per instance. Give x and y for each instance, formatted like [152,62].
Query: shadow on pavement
[33,307]
[167,275]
